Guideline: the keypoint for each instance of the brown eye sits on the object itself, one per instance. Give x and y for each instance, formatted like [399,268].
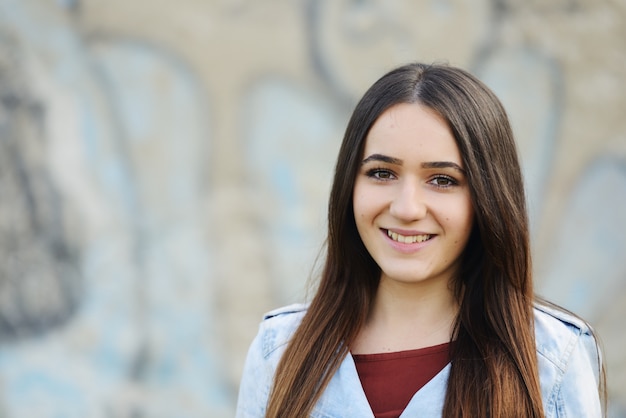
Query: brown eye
[381,174]
[443,181]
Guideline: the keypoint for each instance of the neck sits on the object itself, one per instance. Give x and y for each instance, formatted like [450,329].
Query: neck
[406,316]
[413,303]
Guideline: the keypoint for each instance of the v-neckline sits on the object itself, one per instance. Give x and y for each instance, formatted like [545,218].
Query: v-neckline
[427,401]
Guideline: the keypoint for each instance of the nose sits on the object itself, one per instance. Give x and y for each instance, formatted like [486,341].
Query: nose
[408,203]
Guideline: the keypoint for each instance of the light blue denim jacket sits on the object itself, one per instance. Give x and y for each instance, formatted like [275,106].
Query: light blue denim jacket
[568,370]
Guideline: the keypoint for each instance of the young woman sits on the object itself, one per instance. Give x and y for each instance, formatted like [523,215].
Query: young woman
[425,306]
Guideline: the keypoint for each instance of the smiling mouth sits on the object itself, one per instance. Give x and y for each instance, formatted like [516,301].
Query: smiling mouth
[408,239]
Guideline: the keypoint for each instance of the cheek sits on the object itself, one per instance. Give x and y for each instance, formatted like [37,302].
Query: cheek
[359,203]
[467,211]
[357,211]
[462,222]
[466,226]
[360,212]
[363,213]
[356,207]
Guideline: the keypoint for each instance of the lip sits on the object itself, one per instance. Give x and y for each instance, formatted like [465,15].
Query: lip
[405,232]
[407,248]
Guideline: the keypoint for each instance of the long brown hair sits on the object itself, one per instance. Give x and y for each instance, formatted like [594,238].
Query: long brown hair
[494,361]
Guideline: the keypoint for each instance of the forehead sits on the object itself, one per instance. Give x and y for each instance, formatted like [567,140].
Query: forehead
[412,131]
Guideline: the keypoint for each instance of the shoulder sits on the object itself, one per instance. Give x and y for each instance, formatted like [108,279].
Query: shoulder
[279,325]
[264,353]
[286,311]
[569,361]
[558,333]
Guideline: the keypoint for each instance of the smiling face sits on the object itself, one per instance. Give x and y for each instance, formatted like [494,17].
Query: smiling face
[411,201]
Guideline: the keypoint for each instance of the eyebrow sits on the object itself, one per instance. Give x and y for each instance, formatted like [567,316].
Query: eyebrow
[397,161]
[382,158]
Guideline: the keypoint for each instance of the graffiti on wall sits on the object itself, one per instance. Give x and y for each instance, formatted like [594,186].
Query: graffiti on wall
[155,199]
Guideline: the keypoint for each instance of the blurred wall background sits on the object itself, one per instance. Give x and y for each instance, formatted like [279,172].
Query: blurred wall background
[165,165]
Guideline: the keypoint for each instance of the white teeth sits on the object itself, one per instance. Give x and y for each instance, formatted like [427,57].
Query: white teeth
[407,239]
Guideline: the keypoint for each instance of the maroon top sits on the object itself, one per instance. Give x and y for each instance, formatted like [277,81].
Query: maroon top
[390,380]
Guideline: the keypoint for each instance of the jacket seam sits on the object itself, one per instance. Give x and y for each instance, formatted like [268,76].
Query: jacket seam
[555,395]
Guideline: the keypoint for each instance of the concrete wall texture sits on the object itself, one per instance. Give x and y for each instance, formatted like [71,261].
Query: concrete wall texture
[165,165]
